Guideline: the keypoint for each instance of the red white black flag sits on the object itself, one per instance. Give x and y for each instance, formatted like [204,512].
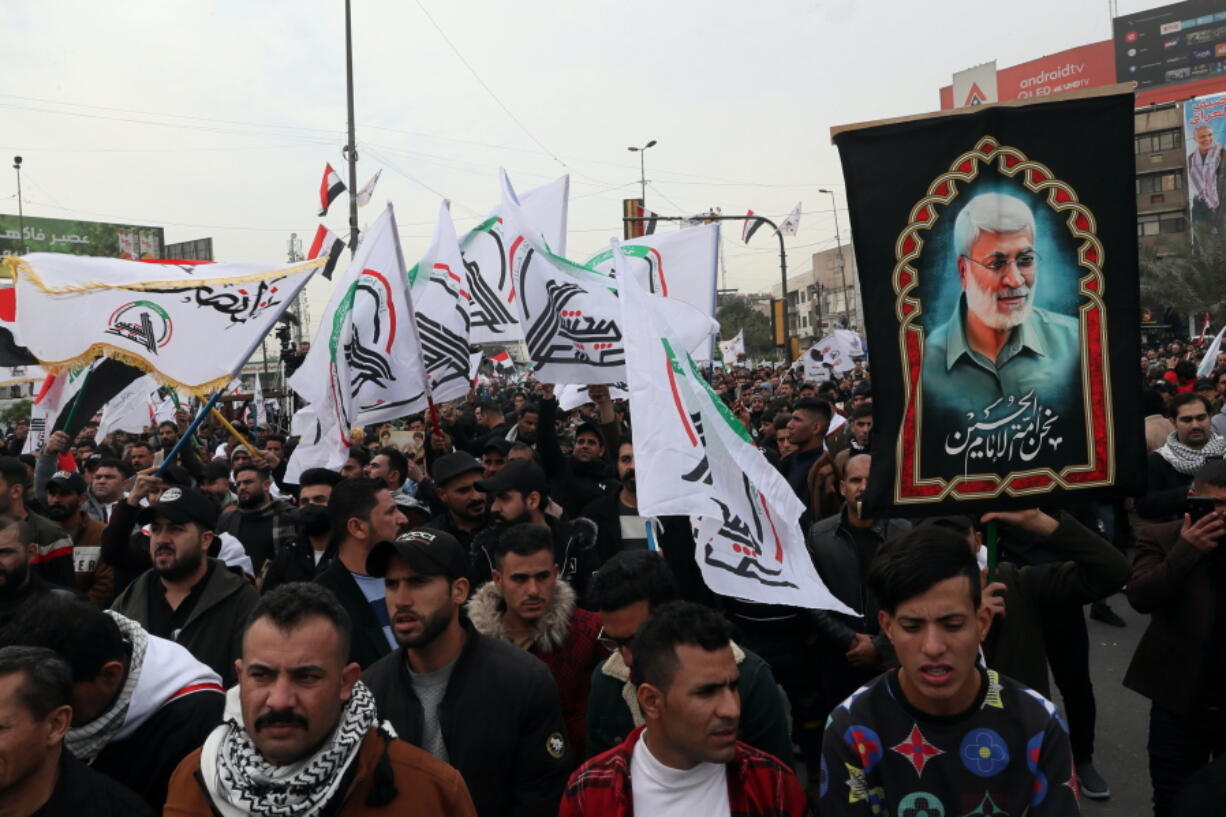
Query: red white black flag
[751,225]
[327,244]
[329,189]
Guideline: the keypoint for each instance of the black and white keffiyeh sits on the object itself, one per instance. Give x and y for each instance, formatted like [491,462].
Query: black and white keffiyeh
[1187,460]
[241,782]
[88,740]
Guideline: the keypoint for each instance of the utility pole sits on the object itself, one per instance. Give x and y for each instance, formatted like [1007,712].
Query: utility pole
[643,171]
[21,214]
[351,149]
[783,258]
[834,208]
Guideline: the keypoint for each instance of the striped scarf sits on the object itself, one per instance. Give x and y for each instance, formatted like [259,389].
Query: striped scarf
[88,740]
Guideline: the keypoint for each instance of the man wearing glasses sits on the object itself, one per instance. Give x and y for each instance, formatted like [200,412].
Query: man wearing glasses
[998,344]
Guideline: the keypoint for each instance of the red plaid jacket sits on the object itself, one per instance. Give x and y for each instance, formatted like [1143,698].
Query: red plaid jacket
[758,785]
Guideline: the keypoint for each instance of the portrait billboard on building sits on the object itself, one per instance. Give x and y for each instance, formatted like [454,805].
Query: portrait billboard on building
[1204,134]
[1005,251]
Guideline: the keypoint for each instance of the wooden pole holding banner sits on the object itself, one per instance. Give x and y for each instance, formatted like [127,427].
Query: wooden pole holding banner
[221,418]
[191,429]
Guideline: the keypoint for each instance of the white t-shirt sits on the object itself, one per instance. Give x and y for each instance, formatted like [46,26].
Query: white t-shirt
[662,791]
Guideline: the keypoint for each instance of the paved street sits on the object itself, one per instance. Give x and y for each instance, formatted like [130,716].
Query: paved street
[1122,717]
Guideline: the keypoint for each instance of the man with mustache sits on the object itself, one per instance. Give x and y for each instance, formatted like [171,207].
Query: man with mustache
[455,479]
[301,734]
[998,344]
[188,597]
[686,758]
[19,585]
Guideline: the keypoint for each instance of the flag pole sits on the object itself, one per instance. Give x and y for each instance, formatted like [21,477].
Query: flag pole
[76,400]
[351,150]
[191,429]
[221,418]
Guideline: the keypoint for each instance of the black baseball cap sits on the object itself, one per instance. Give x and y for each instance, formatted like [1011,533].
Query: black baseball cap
[69,480]
[453,465]
[590,428]
[500,444]
[429,551]
[524,476]
[179,504]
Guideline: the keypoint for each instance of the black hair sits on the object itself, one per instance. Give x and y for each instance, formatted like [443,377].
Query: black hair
[48,681]
[396,461]
[114,462]
[1213,473]
[913,563]
[215,470]
[14,472]
[1184,398]
[359,453]
[524,539]
[287,606]
[488,406]
[275,438]
[816,405]
[318,476]
[167,423]
[28,459]
[529,408]
[678,622]
[865,409]
[352,498]
[25,528]
[1185,369]
[140,443]
[251,466]
[80,633]
[630,576]
[1151,402]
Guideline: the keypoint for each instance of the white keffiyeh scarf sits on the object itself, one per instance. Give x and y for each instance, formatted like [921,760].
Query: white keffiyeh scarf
[88,740]
[241,782]
[1187,460]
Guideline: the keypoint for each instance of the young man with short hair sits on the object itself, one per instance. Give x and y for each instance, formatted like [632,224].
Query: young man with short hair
[66,493]
[941,733]
[686,759]
[478,703]
[455,480]
[301,733]
[528,605]
[312,549]
[262,524]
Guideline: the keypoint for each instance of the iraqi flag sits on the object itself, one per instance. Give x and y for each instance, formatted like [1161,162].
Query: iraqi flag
[751,225]
[502,360]
[329,189]
[327,244]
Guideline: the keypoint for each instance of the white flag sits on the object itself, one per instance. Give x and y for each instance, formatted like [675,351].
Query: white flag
[487,251]
[189,326]
[733,348]
[792,223]
[131,410]
[1209,361]
[12,375]
[571,396]
[259,409]
[365,364]
[682,264]
[836,351]
[695,459]
[165,410]
[368,189]
[441,304]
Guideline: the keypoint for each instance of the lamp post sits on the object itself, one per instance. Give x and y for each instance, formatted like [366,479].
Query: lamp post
[21,215]
[643,170]
[834,208]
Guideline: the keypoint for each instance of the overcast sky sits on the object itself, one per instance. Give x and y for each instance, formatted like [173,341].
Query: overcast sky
[216,118]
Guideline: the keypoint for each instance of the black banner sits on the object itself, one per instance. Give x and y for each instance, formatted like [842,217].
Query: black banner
[1000,247]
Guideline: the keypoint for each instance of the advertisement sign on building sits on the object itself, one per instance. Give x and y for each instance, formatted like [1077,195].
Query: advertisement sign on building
[1182,42]
[79,237]
[1074,69]
[975,86]
[1204,134]
[200,249]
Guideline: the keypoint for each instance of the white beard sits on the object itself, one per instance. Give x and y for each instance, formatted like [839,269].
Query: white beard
[982,302]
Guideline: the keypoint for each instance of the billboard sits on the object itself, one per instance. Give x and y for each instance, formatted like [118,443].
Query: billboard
[1204,133]
[1074,69]
[1168,45]
[200,249]
[975,86]
[79,237]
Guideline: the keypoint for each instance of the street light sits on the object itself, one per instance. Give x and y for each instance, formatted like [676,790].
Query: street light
[21,216]
[643,170]
[834,208]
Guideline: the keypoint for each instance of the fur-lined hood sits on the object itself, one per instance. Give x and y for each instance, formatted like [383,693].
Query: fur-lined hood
[486,607]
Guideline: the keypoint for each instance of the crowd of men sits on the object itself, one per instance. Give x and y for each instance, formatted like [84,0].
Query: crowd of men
[480,621]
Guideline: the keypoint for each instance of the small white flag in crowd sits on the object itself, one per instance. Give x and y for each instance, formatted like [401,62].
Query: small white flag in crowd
[329,189]
[131,410]
[792,223]
[734,348]
[327,244]
[441,303]
[368,189]
[695,459]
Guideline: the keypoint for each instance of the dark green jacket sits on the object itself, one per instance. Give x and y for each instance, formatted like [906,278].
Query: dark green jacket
[214,630]
[368,643]
[764,723]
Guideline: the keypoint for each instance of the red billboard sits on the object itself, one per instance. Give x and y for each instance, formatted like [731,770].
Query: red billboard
[1087,66]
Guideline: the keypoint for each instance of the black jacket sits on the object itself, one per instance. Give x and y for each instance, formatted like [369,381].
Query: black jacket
[82,792]
[1167,492]
[676,540]
[368,642]
[501,720]
[574,549]
[573,484]
[296,563]
[145,760]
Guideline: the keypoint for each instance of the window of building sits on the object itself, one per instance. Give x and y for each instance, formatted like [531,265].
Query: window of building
[1159,223]
[1163,182]
[1157,141]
